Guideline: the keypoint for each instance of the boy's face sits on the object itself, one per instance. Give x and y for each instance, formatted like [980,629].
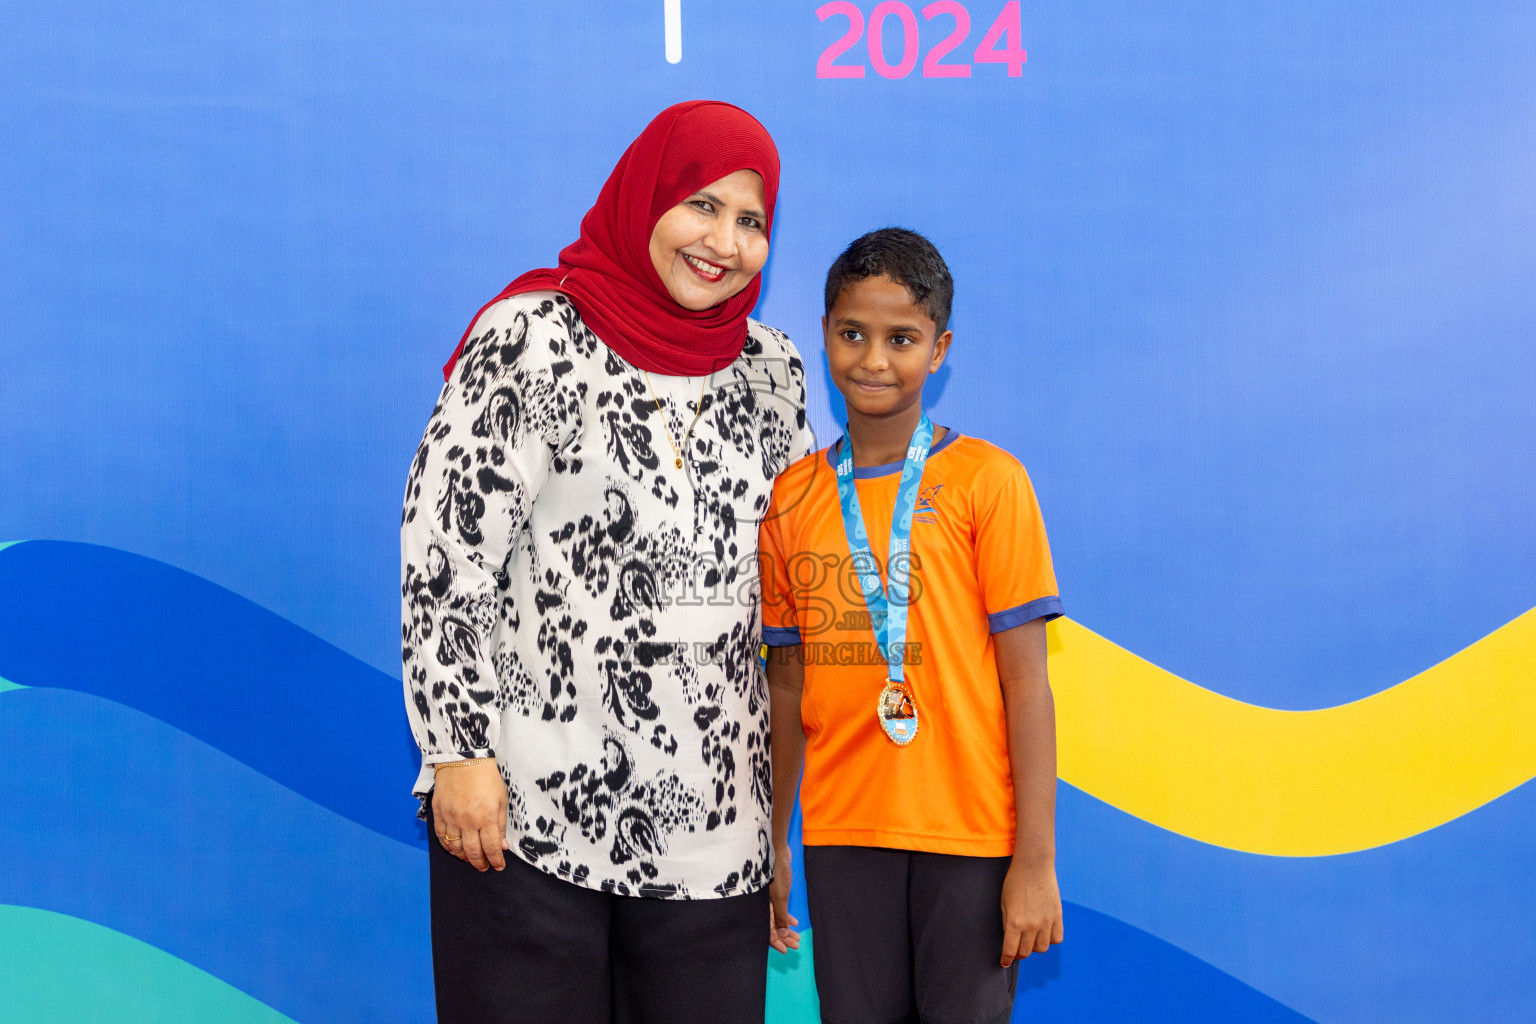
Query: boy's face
[881,347]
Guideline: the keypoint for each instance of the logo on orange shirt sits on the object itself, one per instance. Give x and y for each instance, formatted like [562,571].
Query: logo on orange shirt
[926,511]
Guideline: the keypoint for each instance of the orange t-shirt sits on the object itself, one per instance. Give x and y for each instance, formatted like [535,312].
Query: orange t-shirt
[980,565]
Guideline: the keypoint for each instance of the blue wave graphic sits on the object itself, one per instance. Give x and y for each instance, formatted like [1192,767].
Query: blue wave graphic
[323,920]
[1341,939]
[215,665]
[1108,970]
[126,822]
[206,859]
[1331,938]
[1336,938]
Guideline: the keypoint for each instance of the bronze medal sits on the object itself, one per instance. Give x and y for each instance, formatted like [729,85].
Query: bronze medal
[897,711]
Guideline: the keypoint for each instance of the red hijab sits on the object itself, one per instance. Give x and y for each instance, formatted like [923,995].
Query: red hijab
[607,272]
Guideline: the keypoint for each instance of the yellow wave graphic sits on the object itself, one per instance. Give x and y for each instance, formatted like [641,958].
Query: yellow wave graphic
[1296,783]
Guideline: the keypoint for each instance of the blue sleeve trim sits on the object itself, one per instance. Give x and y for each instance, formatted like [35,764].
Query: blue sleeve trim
[1040,608]
[781,636]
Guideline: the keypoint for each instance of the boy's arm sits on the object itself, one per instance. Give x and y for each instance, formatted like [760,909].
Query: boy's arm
[786,680]
[1031,899]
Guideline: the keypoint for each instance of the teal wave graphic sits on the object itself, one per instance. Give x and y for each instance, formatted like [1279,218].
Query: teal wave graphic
[198,855]
[54,967]
[792,985]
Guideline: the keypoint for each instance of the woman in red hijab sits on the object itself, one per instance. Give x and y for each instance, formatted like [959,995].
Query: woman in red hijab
[579,616]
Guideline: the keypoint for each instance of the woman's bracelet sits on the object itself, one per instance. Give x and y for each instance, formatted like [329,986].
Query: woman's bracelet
[460,764]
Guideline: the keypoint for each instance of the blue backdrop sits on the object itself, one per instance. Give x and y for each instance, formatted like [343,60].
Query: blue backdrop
[1248,288]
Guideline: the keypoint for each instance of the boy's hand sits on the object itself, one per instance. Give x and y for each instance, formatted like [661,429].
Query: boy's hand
[781,923]
[1031,910]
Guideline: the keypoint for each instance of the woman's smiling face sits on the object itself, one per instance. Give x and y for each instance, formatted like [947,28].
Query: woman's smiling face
[712,244]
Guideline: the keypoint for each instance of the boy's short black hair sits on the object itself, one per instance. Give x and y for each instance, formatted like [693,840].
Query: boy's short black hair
[907,258]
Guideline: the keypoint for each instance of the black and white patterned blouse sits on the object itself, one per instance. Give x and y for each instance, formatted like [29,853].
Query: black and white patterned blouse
[579,606]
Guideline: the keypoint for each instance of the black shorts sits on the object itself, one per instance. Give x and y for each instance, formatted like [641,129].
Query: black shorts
[903,937]
[523,947]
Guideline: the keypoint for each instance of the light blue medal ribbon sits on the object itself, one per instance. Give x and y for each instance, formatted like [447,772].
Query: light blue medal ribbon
[897,707]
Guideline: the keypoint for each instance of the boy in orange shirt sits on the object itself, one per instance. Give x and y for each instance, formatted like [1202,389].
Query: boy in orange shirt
[907,583]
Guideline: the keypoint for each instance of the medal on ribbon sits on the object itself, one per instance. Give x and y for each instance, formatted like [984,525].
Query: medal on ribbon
[897,712]
[896,708]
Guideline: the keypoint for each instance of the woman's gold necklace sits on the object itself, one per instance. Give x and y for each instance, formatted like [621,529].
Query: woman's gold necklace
[677,455]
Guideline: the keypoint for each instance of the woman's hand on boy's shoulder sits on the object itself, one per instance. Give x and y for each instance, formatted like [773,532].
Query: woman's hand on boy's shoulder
[781,923]
[1031,910]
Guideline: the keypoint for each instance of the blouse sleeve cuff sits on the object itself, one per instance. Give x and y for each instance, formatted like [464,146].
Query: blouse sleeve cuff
[428,772]
[1048,607]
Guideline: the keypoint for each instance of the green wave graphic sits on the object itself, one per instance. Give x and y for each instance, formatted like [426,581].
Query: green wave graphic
[6,684]
[55,967]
